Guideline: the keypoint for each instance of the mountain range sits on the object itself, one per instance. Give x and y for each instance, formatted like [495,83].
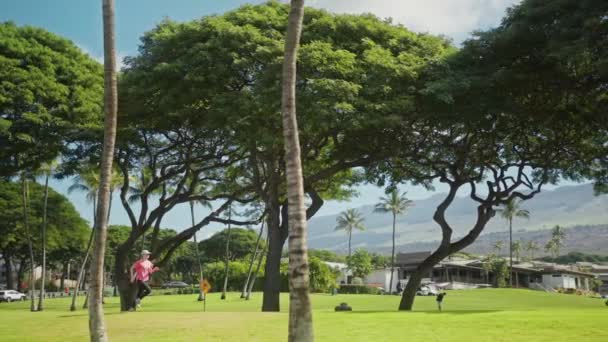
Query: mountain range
[574,207]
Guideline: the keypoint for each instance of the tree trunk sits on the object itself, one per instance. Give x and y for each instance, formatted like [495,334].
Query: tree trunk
[390,283]
[350,234]
[300,313]
[8,267]
[409,293]
[20,273]
[97,328]
[272,269]
[44,224]
[227,259]
[32,288]
[511,252]
[81,273]
[257,271]
[63,275]
[253,258]
[201,295]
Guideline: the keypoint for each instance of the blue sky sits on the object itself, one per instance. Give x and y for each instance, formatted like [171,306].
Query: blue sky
[80,21]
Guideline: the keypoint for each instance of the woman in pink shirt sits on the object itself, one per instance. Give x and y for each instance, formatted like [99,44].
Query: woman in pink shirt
[140,272]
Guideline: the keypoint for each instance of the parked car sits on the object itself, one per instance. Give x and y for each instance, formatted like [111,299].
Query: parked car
[427,291]
[174,285]
[11,295]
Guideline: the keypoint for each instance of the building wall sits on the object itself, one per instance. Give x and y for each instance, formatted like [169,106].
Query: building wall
[559,280]
[383,277]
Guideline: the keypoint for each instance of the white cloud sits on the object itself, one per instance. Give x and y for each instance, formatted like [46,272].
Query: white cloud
[453,18]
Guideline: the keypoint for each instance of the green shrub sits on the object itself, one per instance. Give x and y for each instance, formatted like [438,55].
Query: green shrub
[358,289]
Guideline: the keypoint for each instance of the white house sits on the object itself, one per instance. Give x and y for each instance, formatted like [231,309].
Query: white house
[345,274]
[560,280]
[382,277]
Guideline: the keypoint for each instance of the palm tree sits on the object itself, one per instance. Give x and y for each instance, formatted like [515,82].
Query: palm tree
[257,269]
[509,211]
[348,221]
[88,182]
[300,311]
[227,255]
[551,247]
[497,246]
[558,235]
[25,199]
[397,204]
[517,246]
[531,247]
[47,169]
[96,320]
[201,295]
[253,258]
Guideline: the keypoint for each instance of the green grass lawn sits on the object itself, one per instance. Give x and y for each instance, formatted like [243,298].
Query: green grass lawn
[469,315]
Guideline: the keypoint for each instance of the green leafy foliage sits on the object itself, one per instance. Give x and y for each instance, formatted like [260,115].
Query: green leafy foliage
[50,89]
[360,263]
[242,244]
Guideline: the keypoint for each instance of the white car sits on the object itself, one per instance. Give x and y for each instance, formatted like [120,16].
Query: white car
[11,295]
[427,291]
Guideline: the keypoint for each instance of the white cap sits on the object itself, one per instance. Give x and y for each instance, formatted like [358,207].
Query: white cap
[145,252]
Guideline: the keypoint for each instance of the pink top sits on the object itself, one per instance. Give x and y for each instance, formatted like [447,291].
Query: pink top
[143,270]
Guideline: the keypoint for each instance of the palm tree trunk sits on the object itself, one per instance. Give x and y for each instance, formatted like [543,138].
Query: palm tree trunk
[226,260]
[201,295]
[390,283]
[511,251]
[257,271]
[300,313]
[44,224]
[97,328]
[81,272]
[29,243]
[253,257]
[350,234]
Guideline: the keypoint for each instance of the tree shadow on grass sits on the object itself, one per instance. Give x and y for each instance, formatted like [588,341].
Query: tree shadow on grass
[445,312]
[86,313]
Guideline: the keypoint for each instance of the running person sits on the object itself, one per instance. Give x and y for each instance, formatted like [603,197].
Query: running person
[440,300]
[140,272]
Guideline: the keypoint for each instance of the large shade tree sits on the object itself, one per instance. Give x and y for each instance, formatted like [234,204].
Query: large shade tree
[224,72]
[50,90]
[511,140]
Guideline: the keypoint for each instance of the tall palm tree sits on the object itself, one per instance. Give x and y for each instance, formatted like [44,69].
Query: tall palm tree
[201,295]
[531,247]
[517,246]
[88,182]
[253,258]
[397,204]
[97,329]
[348,221]
[300,311]
[26,224]
[551,247]
[558,235]
[47,169]
[254,275]
[497,246]
[509,211]
[227,255]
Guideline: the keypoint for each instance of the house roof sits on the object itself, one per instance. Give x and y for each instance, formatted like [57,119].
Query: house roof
[414,258]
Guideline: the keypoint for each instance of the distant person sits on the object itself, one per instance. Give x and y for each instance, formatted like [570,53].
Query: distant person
[399,287]
[440,300]
[140,272]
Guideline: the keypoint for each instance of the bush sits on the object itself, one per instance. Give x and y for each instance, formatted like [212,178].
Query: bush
[358,289]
